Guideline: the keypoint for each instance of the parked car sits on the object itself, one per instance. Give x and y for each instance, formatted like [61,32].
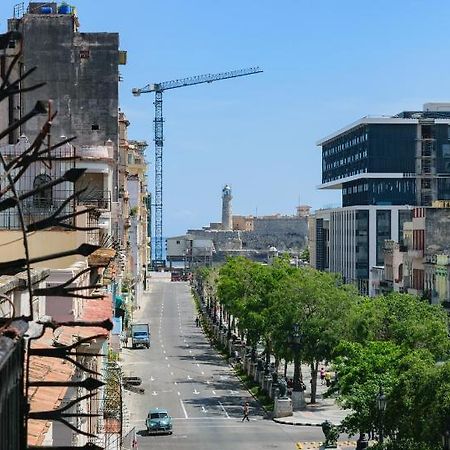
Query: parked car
[158,421]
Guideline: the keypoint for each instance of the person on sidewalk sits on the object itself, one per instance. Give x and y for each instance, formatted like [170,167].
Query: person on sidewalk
[322,376]
[328,379]
[197,321]
[246,411]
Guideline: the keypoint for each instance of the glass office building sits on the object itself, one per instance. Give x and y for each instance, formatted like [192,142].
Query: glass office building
[398,160]
[384,166]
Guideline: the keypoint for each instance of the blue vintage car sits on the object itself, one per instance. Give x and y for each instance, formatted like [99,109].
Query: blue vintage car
[158,421]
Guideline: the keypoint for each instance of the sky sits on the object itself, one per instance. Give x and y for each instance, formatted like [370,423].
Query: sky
[326,64]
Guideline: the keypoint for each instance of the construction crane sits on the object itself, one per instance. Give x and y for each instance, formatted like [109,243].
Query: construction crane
[158,89]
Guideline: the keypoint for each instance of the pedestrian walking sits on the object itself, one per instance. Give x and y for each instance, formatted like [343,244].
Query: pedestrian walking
[322,375]
[246,411]
[328,379]
[197,321]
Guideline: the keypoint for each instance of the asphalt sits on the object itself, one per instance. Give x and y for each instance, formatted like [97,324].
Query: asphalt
[183,373]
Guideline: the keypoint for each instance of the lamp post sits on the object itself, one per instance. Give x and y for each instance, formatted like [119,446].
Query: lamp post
[446,440]
[381,406]
[298,396]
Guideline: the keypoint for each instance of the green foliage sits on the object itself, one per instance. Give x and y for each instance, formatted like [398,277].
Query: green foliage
[403,319]
[304,255]
[392,341]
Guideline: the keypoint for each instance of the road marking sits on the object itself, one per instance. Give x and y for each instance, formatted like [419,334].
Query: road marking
[233,392]
[184,409]
[154,393]
[166,358]
[164,351]
[178,393]
[190,351]
[224,410]
[214,392]
[204,409]
[189,377]
[208,382]
[152,379]
[196,392]
[198,365]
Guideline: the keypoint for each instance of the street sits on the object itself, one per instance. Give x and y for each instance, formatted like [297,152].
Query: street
[183,374]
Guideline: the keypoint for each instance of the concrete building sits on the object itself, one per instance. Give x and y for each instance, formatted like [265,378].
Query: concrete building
[133,220]
[397,160]
[350,240]
[419,264]
[81,75]
[383,166]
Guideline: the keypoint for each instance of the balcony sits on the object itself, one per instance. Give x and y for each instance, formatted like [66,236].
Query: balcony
[38,207]
[97,198]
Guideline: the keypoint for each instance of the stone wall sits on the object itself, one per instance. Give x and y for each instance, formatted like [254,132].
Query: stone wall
[285,233]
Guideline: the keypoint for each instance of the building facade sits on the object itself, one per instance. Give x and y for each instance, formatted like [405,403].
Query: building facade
[350,240]
[398,160]
[384,166]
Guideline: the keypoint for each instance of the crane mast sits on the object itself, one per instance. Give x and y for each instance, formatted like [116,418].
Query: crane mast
[158,89]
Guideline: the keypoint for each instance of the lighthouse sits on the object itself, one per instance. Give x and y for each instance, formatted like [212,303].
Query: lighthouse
[227,220]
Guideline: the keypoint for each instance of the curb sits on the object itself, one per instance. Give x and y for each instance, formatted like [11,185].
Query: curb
[267,413]
[301,424]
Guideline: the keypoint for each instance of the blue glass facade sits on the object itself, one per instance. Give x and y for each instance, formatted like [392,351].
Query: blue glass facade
[418,151]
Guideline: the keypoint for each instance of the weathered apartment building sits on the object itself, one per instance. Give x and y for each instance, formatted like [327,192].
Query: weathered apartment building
[383,166]
[81,76]
[419,262]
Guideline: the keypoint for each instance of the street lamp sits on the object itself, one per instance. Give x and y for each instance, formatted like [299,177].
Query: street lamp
[446,440]
[381,406]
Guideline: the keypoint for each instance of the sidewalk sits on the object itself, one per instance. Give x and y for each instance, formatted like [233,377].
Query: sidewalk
[314,414]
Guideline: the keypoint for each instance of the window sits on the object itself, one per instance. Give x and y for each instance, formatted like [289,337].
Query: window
[43,198]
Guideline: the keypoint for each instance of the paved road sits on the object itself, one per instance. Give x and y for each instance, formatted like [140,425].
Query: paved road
[182,373]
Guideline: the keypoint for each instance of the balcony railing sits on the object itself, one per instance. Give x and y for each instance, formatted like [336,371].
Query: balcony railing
[96,198]
[38,207]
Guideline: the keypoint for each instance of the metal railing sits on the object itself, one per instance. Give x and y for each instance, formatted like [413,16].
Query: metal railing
[38,207]
[97,198]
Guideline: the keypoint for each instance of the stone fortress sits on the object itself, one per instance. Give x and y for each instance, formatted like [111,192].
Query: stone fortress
[253,236]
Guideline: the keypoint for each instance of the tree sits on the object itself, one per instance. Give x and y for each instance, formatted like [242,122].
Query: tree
[417,391]
[319,304]
[403,319]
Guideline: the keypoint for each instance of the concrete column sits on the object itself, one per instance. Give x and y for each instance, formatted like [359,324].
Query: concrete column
[282,407]
[298,400]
